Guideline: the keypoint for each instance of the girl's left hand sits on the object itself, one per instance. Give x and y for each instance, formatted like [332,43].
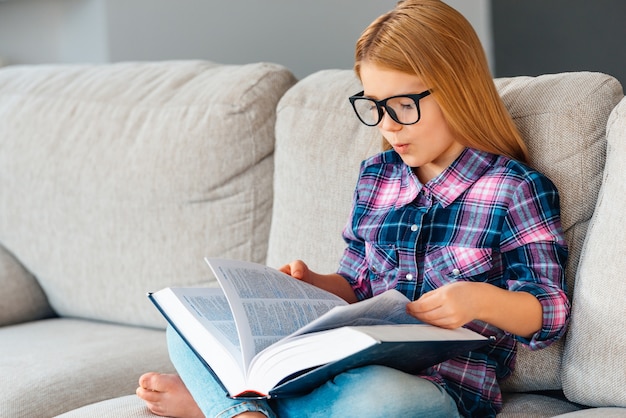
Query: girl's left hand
[450,306]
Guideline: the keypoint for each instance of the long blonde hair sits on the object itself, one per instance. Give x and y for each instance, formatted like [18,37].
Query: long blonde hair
[432,40]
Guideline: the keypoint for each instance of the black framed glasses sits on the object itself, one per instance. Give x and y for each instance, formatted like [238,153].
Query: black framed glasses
[404,109]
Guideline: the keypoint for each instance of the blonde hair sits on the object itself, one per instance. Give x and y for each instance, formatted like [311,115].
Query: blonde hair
[432,40]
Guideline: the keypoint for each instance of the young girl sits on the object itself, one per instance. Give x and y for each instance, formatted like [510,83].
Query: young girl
[449,214]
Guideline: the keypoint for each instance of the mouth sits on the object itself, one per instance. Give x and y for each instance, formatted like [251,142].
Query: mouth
[400,148]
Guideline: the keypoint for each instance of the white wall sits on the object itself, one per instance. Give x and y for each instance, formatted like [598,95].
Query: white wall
[305,36]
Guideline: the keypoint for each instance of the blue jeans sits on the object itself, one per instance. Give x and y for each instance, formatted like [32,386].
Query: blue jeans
[371,391]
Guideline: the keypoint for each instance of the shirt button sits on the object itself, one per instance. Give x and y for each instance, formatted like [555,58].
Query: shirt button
[409,276]
[413,227]
[456,272]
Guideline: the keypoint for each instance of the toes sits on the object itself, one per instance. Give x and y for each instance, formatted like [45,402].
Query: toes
[144,380]
[148,395]
[158,382]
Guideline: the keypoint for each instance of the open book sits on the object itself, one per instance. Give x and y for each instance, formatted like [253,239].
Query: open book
[265,334]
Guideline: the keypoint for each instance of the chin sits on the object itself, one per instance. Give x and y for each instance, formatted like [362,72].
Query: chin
[411,162]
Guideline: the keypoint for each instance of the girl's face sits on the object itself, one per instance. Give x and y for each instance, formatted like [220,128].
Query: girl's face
[428,146]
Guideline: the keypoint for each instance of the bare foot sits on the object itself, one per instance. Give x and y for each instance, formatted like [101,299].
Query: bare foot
[167,395]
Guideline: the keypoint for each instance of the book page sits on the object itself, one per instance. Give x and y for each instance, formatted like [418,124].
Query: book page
[214,314]
[268,305]
[204,320]
[387,308]
[304,352]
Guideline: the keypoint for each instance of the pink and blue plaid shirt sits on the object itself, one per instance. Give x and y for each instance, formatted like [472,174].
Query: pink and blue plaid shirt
[486,218]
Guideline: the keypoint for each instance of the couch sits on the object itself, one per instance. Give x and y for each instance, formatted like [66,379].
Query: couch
[117,179]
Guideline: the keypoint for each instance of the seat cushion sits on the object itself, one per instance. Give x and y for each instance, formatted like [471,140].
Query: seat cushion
[129,406]
[119,179]
[530,405]
[57,365]
[594,365]
[607,412]
[516,406]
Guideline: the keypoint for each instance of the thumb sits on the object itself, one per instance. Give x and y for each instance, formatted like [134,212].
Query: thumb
[296,269]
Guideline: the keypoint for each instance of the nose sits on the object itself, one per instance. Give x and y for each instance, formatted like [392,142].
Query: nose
[387,123]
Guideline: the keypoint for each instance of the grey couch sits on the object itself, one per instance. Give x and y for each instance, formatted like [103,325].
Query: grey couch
[118,179]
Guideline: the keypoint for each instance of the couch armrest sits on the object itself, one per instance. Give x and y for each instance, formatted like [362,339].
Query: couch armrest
[21,297]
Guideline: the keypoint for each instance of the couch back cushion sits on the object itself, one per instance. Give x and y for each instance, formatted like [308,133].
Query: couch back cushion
[319,146]
[562,118]
[21,299]
[594,365]
[320,143]
[118,179]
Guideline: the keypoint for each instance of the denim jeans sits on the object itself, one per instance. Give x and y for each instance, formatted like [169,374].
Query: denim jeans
[371,391]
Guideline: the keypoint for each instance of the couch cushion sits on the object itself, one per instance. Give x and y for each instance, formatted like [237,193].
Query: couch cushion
[118,179]
[607,412]
[84,362]
[594,365]
[319,147]
[515,406]
[129,406]
[562,118]
[527,405]
[320,144]
[21,298]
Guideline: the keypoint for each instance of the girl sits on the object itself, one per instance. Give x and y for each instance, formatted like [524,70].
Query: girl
[449,214]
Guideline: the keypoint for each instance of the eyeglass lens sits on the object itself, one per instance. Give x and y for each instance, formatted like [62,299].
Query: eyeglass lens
[402,109]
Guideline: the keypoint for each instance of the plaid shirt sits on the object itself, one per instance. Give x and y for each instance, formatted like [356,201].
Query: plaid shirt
[486,218]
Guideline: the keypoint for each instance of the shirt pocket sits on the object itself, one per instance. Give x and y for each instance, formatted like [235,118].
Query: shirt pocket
[444,265]
[382,265]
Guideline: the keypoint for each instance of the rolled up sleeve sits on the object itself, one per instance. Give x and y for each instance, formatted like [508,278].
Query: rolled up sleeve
[535,255]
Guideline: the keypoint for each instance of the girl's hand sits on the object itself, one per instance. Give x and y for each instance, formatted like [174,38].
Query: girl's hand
[450,306]
[333,283]
[298,270]
[456,304]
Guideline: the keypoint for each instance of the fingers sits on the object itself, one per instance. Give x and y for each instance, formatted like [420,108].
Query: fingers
[428,311]
[286,269]
[438,317]
[296,269]
[425,303]
[440,309]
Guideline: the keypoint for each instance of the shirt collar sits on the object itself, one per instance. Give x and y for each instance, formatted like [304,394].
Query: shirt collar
[451,183]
